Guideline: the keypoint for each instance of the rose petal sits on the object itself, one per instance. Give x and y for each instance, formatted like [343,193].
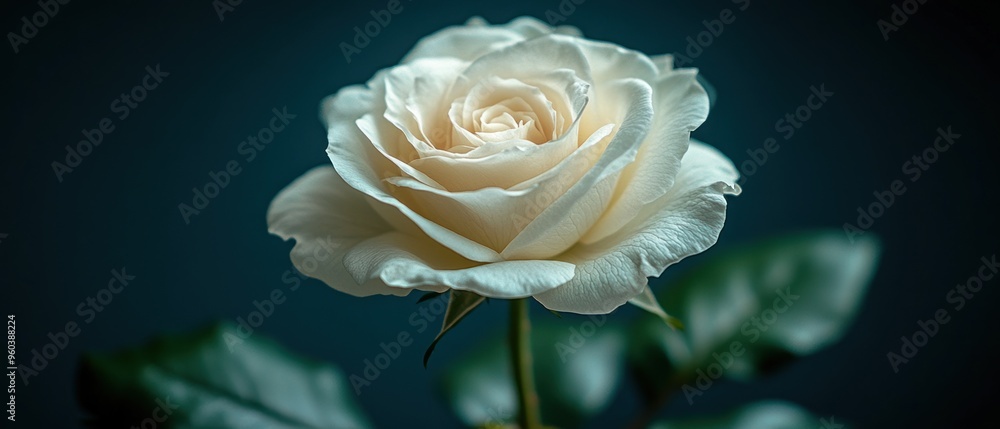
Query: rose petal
[408,262]
[512,162]
[685,221]
[327,218]
[509,94]
[468,42]
[357,160]
[414,97]
[526,60]
[532,27]
[609,62]
[664,63]
[493,216]
[680,106]
[341,111]
[562,223]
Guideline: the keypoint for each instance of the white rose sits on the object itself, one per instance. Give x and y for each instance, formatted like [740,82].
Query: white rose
[510,160]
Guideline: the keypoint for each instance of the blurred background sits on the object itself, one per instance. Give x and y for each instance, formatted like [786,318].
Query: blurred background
[61,235]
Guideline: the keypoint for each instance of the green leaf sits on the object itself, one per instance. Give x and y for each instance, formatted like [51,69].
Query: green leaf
[214,378]
[752,309]
[460,304]
[577,366]
[761,415]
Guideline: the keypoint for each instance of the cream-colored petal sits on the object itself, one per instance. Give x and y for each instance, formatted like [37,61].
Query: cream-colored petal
[561,224]
[519,161]
[532,27]
[415,99]
[355,166]
[493,216]
[327,218]
[512,162]
[573,167]
[341,112]
[526,60]
[685,221]
[466,113]
[411,262]
[434,129]
[363,167]
[559,97]
[382,139]
[461,42]
[609,62]
[703,165]
[468,42]
[664,63]
[680,105]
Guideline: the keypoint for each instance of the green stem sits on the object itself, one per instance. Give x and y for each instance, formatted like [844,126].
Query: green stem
[520,348]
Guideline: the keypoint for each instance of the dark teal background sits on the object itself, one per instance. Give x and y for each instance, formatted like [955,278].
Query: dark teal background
[119,207]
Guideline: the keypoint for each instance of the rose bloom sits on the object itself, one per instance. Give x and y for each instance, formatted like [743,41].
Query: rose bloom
[511,161]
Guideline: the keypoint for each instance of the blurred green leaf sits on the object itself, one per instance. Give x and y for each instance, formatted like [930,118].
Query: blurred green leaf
[752,309]
[577,366]
[460,304]
[761,415]
[214,378]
